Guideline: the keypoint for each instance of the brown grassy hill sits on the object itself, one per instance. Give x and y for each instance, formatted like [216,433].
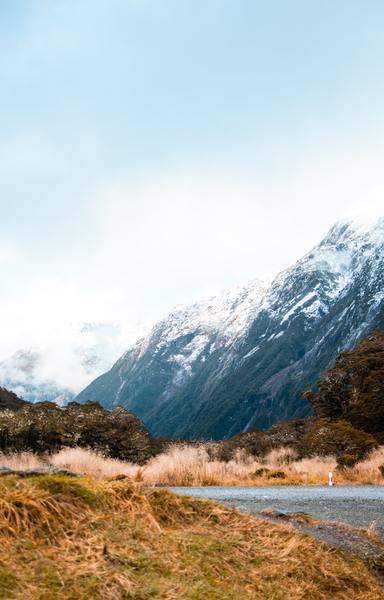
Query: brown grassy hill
[76,539]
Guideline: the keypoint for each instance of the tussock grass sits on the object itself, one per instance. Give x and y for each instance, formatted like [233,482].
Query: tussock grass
[368,470]
[189,465]
[20,460]
[81,539]
[93,463]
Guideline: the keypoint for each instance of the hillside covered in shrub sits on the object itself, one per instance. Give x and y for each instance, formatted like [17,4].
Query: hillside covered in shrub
[311,437]
[348,405]
[46,427]
[353,390]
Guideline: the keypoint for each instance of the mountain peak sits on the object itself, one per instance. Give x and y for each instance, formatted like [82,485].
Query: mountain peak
[227,312]
[360,226]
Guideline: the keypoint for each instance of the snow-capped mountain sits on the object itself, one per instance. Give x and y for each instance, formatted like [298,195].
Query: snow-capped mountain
[177,346]
[242,359]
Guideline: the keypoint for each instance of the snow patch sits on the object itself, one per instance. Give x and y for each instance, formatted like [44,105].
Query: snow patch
[251,352]
[298,305]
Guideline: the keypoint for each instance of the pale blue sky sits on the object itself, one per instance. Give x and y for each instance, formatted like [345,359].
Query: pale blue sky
[152,151]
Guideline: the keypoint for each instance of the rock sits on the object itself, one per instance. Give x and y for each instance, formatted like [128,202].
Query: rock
[48,470]
[5,470]
[295,517]
[271,513]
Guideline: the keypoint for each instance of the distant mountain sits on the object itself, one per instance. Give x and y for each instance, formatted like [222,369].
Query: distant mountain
[58,371]
[242,359]
[9,400]
[21,374]
[162,364]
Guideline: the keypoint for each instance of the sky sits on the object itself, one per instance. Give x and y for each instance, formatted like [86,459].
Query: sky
[153,152]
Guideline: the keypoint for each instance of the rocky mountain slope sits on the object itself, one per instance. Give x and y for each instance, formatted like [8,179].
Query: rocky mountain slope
[241,360]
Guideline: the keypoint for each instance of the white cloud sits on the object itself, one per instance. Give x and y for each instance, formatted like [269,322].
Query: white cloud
[146,163]
[145,246]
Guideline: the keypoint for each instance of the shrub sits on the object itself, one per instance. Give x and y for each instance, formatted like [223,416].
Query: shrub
[301,439]
[261,472]
[46,427]
[345,461]
[10,400]
[324,437]
[276,475]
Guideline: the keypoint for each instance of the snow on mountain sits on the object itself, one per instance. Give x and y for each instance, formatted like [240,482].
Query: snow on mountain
[228,313]
[336,261]
[217,321]
[243,357]
[179,344]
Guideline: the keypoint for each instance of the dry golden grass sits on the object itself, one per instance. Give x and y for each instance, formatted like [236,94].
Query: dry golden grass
[20,460]
[187,465]
[367,471]
[92,463]
[191,465]
[81,539]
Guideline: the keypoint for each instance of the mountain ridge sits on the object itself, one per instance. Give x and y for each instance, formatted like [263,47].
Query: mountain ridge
[241,360]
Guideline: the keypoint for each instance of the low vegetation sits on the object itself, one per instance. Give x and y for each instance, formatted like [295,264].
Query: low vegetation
[77,538]
[308,438]
[45,428]
[187,465]
[343,436]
